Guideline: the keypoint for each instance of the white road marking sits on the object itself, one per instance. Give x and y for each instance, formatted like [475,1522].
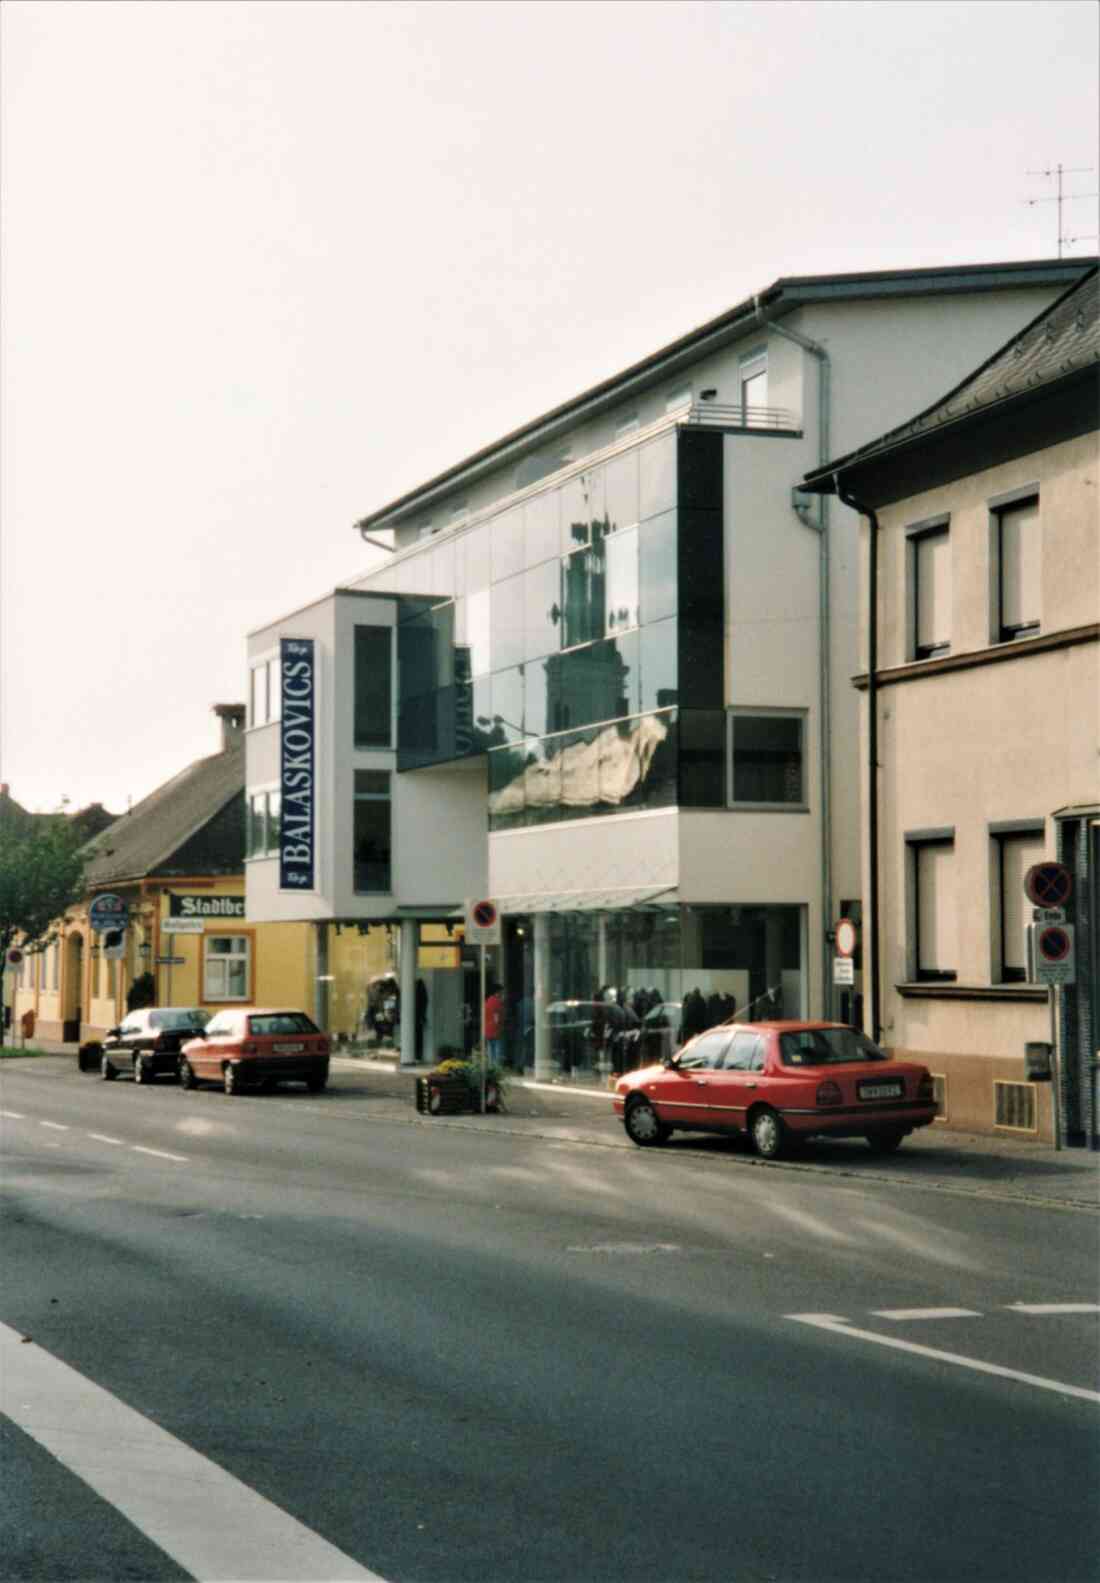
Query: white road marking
[926,1313]
[13,1115]
[840,1327]
[805,1222]
[1054,1308]
[101,1137]
[214,1526]
[160,1154]
[54,1126]
[628,1247]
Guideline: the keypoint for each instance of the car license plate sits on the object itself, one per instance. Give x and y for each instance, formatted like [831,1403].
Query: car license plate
[288,1049]
[881,1090]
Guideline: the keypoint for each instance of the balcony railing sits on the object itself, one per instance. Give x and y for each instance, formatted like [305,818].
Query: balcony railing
[720,415]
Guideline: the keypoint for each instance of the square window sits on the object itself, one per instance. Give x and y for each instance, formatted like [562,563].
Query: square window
[767,753]
[226,967]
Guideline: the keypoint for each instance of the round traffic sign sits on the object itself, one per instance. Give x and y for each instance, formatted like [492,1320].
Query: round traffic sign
[847,937]
[15,956]
[484,914]
[1048,884]
[1054,943]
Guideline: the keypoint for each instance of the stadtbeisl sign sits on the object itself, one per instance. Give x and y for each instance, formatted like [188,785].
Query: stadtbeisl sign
[297,764]
[205,906]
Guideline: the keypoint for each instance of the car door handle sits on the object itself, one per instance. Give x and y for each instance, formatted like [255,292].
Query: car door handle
[750,1085]
[700,1082]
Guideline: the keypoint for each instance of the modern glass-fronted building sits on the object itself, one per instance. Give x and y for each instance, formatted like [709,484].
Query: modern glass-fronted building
[603,678]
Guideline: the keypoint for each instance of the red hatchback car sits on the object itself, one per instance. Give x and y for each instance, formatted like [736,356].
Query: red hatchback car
[778,1082]
[257,1047]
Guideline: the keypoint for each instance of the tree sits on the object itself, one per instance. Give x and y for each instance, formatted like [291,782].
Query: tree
[41,873]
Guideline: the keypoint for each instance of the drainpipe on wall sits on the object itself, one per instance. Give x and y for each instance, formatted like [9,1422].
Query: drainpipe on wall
[824,640]
[872,748]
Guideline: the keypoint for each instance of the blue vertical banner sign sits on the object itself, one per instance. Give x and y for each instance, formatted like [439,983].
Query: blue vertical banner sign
[297,764]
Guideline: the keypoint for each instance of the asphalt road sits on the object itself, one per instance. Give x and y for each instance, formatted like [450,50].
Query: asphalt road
[341,1345]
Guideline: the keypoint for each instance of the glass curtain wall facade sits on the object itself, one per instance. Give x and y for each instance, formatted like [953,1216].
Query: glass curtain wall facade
[577,639]
[627,987]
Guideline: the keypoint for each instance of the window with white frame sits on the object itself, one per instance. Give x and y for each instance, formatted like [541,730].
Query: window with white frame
[930,581]
[752,379]
[226,964]
[933,905]
[1018,560]
[264,693]
[767,752]
[1016,846]
[262,832]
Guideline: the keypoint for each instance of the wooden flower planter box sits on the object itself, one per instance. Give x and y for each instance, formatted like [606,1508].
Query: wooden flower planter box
[446,1095]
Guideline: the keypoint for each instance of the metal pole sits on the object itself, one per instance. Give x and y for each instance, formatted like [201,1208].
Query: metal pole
[1055,1067]
[484,1041]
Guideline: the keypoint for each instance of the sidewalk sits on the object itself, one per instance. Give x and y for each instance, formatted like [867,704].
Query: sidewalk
[932,1157]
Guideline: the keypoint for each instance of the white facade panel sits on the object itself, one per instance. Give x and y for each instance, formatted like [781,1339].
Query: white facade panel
[631,852]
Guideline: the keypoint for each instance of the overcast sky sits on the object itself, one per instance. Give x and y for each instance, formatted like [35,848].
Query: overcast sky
[267,266]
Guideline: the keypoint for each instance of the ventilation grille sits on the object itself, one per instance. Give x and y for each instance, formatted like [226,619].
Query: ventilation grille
[939,1090]
[1015,1106]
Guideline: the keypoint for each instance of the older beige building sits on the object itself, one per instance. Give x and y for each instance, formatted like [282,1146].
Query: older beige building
[980,708]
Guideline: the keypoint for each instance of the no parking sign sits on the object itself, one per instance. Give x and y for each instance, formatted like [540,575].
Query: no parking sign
[482,922]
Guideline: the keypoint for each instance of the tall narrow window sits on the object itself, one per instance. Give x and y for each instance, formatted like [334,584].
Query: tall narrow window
[931,563]
[373,687]
[1015,850]
[257,714]
[753,382]
[372,831]
[1019,560]
[933,911]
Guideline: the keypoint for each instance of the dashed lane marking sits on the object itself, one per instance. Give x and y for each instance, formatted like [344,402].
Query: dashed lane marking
[214,1526]
[160,1154]
[54,1126]
[926,1313]
[839,1326]
[101,1137]
[1055,1308]
[13,1115]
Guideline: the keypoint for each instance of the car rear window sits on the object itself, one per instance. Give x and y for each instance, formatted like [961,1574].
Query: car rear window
[827,1047]
[172,1020]
[282,1022]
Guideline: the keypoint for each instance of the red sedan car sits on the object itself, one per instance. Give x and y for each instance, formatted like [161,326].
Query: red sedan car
[257,1047]
[778,1082]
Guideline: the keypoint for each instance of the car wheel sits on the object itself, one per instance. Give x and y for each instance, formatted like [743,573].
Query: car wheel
[141,1071]
[767,1134]
[886,1142]
[106,1070]
[316,1083]
[187,1075]
[643,1126]
[231,1081]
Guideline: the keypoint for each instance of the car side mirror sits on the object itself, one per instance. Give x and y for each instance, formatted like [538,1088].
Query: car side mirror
[671,1061]
[113,1033]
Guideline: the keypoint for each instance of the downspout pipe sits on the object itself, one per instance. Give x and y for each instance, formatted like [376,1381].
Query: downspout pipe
[824,641]
[873,933]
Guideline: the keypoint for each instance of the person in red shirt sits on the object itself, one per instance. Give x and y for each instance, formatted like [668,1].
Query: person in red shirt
[494,1024]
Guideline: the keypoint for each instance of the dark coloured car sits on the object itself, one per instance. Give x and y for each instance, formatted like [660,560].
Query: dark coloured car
[257,1047]
[778,1082]
[147,1043]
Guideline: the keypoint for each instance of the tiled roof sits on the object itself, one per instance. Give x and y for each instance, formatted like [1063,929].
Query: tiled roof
[1064,340]
[147,836]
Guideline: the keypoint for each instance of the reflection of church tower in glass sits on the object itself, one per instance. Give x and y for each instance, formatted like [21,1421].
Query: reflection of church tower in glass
[586,686]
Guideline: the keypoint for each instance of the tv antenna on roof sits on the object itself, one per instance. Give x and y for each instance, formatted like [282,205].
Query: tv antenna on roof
[1064,197]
